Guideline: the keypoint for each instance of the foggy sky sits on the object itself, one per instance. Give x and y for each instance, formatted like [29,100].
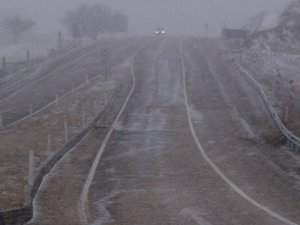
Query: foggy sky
[177,16]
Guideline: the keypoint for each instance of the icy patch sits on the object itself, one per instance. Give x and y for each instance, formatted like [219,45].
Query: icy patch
[156,120]
[125,64]
[104,86]
[169,88]
[247,128]
[197,116]
[152,121]
[251,154]
[110,170]
[102,208]
[196,215]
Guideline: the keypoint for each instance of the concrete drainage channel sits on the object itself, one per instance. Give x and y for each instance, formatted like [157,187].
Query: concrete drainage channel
[292,140]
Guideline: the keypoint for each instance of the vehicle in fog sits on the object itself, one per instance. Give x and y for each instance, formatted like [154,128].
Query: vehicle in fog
[160,31]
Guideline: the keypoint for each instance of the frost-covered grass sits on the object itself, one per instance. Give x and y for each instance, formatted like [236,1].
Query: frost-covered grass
[17,53]
[75,109]
[263,66]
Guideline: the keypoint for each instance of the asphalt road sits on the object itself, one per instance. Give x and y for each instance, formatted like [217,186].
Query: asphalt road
[187,149]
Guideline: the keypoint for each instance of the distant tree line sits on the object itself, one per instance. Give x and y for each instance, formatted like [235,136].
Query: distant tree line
[92,20]
[85,21]
[291,16]
[16,25]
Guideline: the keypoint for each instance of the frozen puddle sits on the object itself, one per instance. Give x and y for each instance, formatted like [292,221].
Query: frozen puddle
[152,121]
[196,215]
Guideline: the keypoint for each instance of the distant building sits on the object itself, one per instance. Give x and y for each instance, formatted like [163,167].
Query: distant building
[235,34]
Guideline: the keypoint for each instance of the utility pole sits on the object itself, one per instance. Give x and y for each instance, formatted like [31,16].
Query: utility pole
[106,55]
[206,30]
[59,41]
[31,169]
[27,56]
[4,64]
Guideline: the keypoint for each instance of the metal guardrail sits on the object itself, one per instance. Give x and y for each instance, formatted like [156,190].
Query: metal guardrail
[292,139]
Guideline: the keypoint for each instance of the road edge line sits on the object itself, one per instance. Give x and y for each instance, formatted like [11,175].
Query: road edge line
[210,162]
[81,207]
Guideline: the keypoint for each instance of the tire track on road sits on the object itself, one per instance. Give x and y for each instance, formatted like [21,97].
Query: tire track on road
[85,191]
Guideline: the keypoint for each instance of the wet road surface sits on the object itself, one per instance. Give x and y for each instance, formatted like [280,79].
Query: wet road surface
[153,172]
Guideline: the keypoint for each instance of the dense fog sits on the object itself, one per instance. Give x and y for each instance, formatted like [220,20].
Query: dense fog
[177,16]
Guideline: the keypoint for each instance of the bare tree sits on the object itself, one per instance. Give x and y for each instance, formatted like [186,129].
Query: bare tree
[70,21]
[92,20]
[119,22]
[99,20]
[17,25]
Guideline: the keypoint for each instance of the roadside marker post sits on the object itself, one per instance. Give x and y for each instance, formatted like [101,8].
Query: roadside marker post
[1,122]
[292,91]
[49,146]
[286,116]
[83,119]
[31,168]
[4,65]
[66,131]
[86,78]
[59,41]
[277,85]
[206,30]
[95,108]
[106,54]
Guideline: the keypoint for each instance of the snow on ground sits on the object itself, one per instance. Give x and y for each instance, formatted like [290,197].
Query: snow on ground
[15,53]
[196,215]
[270,21]
[263,66]
[32,134]
[267,62]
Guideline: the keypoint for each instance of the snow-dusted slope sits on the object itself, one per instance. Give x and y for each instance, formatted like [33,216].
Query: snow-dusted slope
[279,31]
[263,21]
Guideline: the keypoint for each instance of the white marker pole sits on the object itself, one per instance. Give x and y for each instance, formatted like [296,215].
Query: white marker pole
[86,78]
[56,99]
[286,117]
[1,122]
[31,168]
[95,108]
[66,131]
[277,85]
[49,146]
[83,119]
[292,92]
